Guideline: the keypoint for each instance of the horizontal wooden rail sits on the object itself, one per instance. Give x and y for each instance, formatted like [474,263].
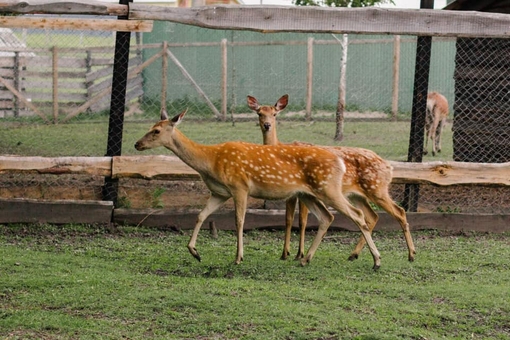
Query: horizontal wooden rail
[367,20]
[88,7]
[172,168]
[77,24]
[263,18]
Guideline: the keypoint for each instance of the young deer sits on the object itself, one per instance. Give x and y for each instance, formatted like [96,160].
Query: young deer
[239,170]
[367,178]
[437,112]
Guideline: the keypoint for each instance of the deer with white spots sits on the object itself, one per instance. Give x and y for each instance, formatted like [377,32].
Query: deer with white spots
[367,179]
[435,119]
[240,170]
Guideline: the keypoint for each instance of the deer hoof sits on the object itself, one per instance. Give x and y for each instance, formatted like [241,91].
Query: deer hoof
[425,152]
[353,257]
[195,254]
[284,256]
[304,261]
[299,256]
[376,267]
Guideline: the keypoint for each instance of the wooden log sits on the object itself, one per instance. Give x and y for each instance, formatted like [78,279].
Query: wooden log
[100,166]
[22,210]
[275,219]
[77,24]
[367,20]
[63,7]
[172,168]
[152,167]
[451,173]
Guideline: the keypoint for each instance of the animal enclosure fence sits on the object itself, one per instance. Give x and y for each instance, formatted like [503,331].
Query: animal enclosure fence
[212,71]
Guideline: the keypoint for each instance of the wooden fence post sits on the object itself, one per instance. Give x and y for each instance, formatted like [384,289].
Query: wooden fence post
[396,76]
[54,54]
[309,79]
[16,84]
[224,74]
[164,75]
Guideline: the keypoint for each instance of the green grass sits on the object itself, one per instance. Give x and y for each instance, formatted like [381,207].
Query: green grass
[388,139]
[89,282]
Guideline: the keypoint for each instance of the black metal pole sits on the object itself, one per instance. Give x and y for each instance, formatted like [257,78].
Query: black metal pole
[117,105]
[420,90]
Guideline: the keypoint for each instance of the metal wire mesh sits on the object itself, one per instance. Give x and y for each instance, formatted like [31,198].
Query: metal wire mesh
[64,84]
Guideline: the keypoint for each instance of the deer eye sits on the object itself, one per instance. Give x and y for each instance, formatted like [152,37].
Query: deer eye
[156,132]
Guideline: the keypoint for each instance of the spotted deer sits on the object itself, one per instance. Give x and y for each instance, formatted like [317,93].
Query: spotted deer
[435,119]
[367,179]
[240,170]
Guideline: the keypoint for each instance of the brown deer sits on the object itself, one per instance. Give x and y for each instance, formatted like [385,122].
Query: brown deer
[367,178]
[437,112]
[240,170]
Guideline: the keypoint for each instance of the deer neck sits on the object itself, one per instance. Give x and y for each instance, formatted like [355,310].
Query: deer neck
[193,154]
[270,137]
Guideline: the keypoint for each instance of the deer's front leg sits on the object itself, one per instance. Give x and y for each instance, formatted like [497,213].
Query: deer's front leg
[290,209]
[240,201]
[211,206]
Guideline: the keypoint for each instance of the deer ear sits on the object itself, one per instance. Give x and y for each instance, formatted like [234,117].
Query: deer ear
[282,102]
[164,114]
[177,119]
[252,103]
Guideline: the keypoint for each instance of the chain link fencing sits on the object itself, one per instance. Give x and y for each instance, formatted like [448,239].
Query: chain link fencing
[61,103]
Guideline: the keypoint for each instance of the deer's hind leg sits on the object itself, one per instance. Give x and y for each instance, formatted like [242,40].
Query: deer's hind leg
[340,203]
[324,217]
[371,219]
[213,203]
[386,203]
[303,219]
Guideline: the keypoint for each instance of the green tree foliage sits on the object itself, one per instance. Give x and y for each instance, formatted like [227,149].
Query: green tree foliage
[341,3]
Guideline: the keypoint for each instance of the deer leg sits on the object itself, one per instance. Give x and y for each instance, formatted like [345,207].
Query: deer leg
[290,209]
[399,214]
[439,133]
[433,130]
[342,205]
[303,218]
[324,217]
[211,206]
[371,219]
[240,202]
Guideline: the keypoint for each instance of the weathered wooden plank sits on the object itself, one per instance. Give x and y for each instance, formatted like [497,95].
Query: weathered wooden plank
[57,165]
[368,20]
[171,168]
[62,7]
[261,218]
[450,173]
[77,24]
[59,212]
[39,96]
[62,74]
[63,62]
[152,167]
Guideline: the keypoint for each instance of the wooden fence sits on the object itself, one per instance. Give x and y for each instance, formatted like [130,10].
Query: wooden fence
[172,168]
[61,80]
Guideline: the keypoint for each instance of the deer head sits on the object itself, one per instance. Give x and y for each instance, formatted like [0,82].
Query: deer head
[267,113]
[154,137]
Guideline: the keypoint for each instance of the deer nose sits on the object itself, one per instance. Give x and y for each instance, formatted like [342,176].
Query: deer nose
[137,145]
[267,126]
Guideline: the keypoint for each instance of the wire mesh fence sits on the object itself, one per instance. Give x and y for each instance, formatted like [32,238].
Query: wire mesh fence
[56,100]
